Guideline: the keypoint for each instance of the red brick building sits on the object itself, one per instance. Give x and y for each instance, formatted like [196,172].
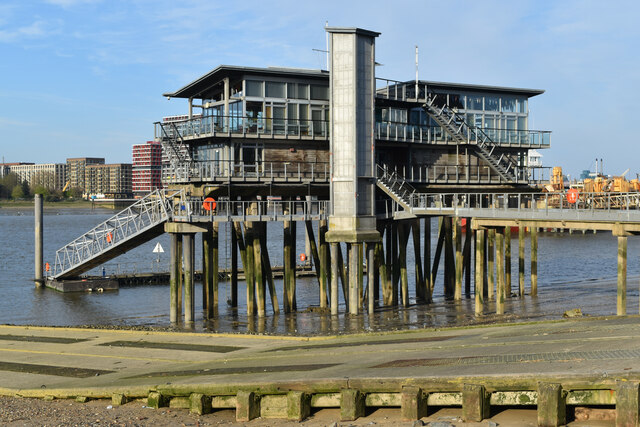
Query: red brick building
[147,168]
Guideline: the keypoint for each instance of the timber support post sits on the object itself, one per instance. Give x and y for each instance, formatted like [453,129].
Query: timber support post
[334,278]
[234,266]
[500,289]
[478,286]
[371,267]
[534,260]
[491,246]
[459,263]
[428,278]
[622,276]
[507,260]
[38,241]
[521,259]
[189,285]
[174,271]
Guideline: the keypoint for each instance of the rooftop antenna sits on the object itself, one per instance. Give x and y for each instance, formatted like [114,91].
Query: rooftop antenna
[417,73]
[326,51]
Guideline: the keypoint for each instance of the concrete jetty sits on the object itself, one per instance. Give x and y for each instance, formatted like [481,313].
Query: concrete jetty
[555,366]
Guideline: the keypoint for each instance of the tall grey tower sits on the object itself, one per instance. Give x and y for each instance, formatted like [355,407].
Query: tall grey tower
[353,171]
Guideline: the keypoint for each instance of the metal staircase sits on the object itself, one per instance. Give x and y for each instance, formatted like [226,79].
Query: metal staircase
[395,186]
[135,225]
[453,123]
[177,151]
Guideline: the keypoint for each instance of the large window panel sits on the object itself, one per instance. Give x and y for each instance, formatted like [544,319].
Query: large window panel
[508,104]
[474,102]
[320,92]
[254,88]
[491,103]
[274,90]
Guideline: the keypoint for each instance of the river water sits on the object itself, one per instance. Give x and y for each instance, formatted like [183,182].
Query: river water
[574,271]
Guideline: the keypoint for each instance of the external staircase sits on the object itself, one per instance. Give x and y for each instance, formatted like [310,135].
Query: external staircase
[142,221]
[454,124]
[395,186]
[177,151]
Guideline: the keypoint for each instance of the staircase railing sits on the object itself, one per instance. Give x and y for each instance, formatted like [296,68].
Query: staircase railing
[144,214]
[454,124]
[395,186]
[177,152]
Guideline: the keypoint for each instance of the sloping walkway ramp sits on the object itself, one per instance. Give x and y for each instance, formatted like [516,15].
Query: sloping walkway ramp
[142,221]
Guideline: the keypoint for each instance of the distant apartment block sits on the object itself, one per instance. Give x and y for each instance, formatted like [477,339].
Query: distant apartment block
[76,170]
[147,168]
[51,176]
[108,181]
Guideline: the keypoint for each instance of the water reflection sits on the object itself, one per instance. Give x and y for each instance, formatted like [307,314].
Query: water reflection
[575,271]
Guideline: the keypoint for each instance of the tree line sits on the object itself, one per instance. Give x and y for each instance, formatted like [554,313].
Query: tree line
[13,188]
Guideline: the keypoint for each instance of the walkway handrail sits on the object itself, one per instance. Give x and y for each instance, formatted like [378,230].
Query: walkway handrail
[144,214]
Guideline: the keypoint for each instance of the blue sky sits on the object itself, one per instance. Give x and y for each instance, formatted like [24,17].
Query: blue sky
[86,77]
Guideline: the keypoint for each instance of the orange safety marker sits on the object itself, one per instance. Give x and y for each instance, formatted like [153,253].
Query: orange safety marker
[572,195]
[47,267]
[209,204]
[303,257]
[109,237]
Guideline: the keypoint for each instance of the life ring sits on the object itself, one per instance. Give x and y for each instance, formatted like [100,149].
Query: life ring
[572,195]
[303,257]
[209,204]
[109,237]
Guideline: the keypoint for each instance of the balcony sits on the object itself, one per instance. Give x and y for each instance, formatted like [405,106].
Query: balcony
[242,127]
[263,172]
[435,135]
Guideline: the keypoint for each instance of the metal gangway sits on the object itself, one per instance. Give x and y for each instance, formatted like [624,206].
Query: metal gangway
[142,221]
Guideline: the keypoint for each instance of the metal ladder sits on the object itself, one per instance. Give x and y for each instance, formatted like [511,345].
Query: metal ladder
[455,125]
[395,186]
[137,224]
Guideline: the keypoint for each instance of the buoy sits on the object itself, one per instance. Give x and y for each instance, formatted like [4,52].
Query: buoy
[209,204]
[47,266]
[572,195]
[109,237]
[303,257]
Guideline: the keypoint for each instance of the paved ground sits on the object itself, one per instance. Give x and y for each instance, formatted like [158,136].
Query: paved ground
[51,358]
[37,361]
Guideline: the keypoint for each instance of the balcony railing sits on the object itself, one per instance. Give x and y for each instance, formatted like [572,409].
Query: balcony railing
[435,135]
[225,170]
[463,174]
[202,127]
[191,209]
[246,127]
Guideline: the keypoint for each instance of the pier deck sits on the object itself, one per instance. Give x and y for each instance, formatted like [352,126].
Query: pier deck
[589,362]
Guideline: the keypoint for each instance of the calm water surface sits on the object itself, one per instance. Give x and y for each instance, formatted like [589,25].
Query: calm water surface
[574,271]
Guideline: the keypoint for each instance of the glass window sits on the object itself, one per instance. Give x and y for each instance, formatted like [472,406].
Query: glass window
[522,123]
[254,88]
[456,100]
[474,102]
[297,91]
[274,90]
[491,103]
[292,112]
[320,92]
[489,122]
[522,105]
[511,123]
[508,105]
